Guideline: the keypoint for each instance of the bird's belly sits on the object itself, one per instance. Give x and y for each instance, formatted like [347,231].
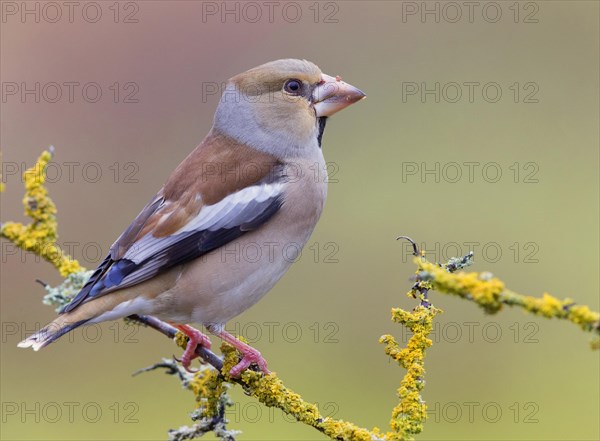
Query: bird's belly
[225,282]
[222,284]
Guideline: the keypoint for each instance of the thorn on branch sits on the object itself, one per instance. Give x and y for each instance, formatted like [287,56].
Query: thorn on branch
[416,252]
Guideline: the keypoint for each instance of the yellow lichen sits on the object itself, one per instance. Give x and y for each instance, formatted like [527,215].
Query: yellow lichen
[230,359]
[410,414]
[270,391]
[483,290]
[208,387]
[490,294]
[40,235]
[181,339]
[551,307]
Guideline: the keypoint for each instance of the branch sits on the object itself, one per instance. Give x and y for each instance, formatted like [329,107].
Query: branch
[489,293]
[173,333]
[40,235]
[268,389]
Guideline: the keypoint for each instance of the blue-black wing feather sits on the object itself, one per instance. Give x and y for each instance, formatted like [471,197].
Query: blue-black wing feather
[121,273]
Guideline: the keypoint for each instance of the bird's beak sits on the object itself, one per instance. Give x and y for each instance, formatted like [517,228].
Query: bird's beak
[332,95]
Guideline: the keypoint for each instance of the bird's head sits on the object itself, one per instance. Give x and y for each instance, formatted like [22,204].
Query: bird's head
[281,107]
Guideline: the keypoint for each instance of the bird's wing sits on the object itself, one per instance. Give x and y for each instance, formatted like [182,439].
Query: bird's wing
[188,218]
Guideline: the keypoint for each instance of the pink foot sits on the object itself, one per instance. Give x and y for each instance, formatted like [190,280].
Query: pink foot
[249,354]
[196,338]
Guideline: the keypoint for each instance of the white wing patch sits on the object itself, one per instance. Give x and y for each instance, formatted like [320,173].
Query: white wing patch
[226,213]
[234,210]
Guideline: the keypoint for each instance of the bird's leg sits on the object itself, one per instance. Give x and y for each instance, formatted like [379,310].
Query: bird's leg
[196,338]
[249,354]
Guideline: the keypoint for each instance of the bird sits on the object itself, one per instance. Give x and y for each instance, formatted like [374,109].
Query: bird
[230,219]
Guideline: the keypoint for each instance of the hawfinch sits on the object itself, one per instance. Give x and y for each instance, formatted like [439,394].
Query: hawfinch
[231,218]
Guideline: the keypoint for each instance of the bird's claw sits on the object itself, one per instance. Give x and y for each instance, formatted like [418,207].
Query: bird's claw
[195,339]
[186,365]
[249,356]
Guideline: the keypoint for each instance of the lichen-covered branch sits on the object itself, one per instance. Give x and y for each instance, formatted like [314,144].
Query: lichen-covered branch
[410,414]
[211,392]
[40,235]
[490,294]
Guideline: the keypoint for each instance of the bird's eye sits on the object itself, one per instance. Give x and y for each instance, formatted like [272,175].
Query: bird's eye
[293,86]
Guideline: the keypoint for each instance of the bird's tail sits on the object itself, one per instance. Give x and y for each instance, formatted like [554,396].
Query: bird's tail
[54,330]
[88,312]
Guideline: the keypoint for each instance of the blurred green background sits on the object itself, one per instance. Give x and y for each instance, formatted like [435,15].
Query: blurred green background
[509,376]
